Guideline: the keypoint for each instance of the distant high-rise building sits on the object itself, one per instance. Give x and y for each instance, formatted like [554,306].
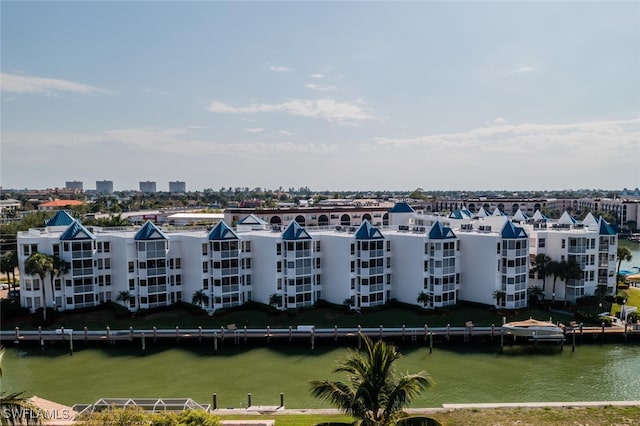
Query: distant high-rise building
[104,186]
[177,186]
[148,186]
[73,184]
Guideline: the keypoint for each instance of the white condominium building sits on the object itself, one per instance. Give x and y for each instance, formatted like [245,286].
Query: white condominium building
[427,260]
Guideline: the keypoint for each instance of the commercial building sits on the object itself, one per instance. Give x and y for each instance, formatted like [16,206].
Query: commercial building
[74,184]
[148,187]
[177,187]
[104,186]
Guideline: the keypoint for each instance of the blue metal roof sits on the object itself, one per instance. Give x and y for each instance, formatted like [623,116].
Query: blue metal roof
[150,232]
[62,218]
[76,232]
[605,228]
[401,208]
[295,232]
[366,231]
[440,232]
[511,231]
[222,232]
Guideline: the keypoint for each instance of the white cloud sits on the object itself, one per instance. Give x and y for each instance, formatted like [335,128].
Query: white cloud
[285,133]
[499,120]
[254,130]
[521,70]
[318,76]
[328,109]
[151,140]
[588,139]
[279,68]
[320,88]
[39,85]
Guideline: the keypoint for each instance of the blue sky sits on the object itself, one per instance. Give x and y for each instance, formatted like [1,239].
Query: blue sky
[330,95]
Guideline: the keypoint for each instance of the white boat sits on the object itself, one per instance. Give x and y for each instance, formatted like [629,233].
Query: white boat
[534,329]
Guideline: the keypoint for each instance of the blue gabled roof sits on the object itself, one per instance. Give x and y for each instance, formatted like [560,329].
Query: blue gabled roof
[460,214]
[366,231]
[440,232]
[222,232]
[295,232]
[401,208]
[605,228]
[62,218]
[76,232]
[150,232]
[512,231]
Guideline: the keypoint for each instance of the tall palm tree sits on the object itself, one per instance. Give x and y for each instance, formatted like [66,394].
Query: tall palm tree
[16,408]
[555,269]
[40,264]
[375,394]
[58,267]
[200,298]
[570,270]
[624,254]
[424,298]
[540,266]
[9,264]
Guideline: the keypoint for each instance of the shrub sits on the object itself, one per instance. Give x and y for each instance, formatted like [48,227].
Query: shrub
[10,308]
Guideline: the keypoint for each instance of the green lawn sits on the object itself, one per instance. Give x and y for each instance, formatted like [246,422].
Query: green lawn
[253,318]
[633,299]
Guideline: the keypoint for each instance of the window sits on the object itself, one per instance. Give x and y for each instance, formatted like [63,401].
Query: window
[204,250]
[205,283]
[541,243]
[132,284]
[247,246]
[279,249]
[131,266]
[564,243]
[205,267]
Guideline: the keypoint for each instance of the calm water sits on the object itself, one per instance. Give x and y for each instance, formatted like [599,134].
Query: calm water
[635,252]
[463,373]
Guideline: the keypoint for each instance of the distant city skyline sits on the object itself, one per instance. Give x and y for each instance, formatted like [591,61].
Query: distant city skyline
[328,95]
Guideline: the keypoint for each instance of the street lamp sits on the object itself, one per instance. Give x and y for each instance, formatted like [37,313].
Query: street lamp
[622,316]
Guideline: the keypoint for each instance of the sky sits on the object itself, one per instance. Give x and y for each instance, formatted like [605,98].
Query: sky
[329,95]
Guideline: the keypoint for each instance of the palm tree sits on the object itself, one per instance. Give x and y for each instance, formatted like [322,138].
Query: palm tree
[124,297]
[375,394]
[555,269]
[40,264]
[16,408]
[200,298]
[275,300]
[624,254]
[59,267]
[540,266]
[570,270]
[536,294]
[424,298]
[9,265]
[500,296]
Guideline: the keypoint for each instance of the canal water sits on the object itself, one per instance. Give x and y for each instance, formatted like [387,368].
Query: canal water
[466,373]
[463,374]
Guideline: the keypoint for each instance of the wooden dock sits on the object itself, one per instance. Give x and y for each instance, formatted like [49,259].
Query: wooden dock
[347,336]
